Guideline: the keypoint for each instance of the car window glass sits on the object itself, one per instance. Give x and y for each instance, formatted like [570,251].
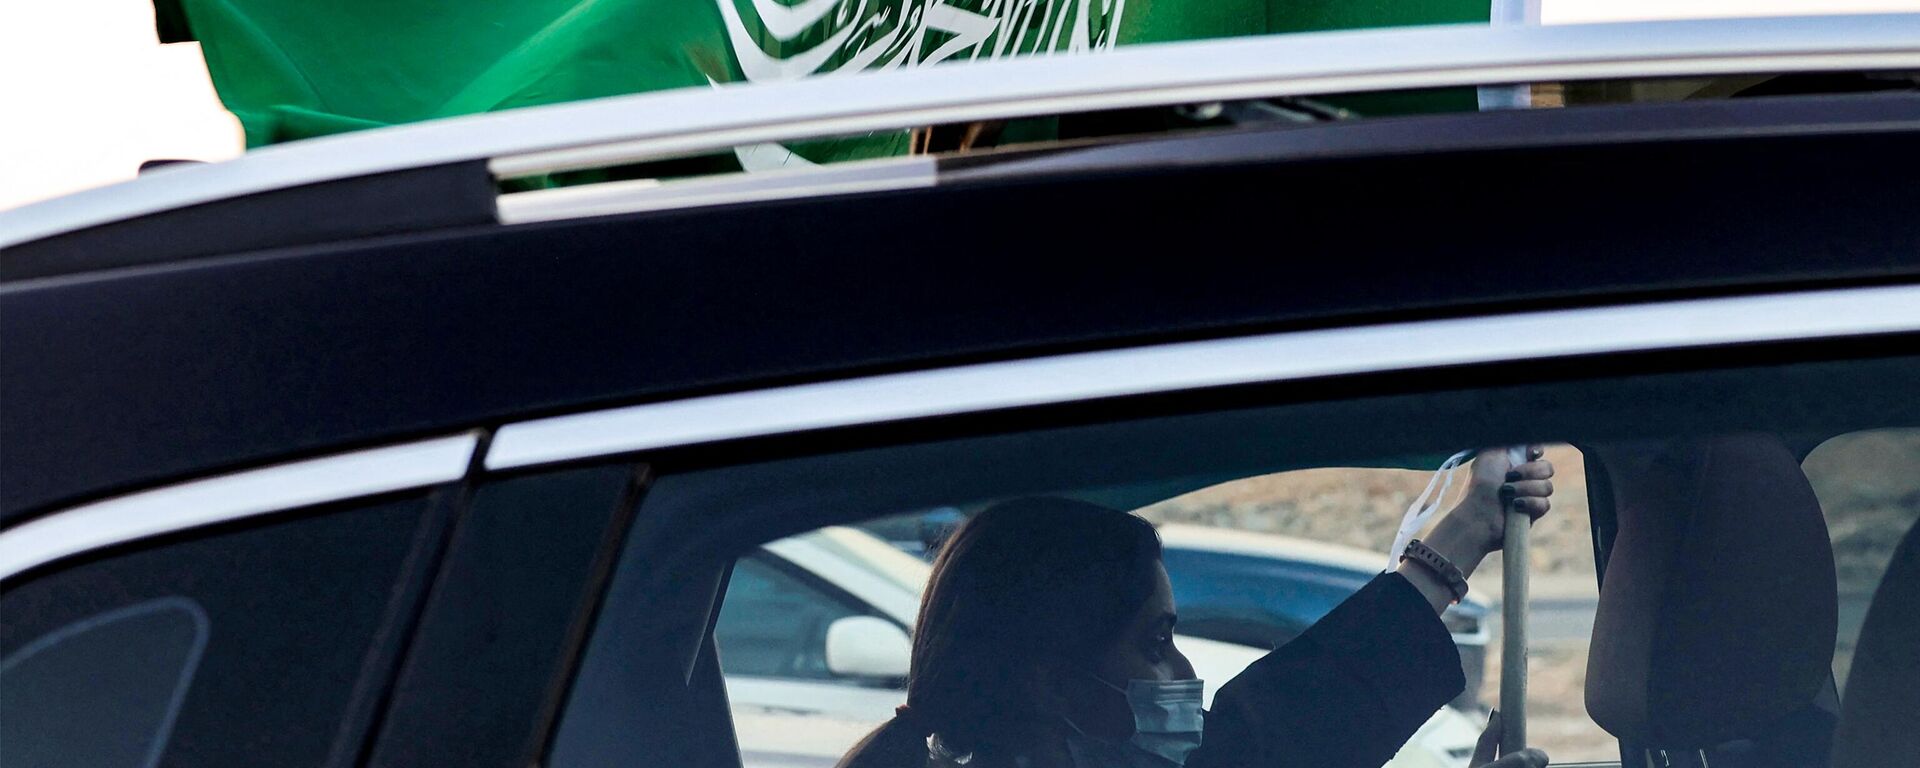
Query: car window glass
[160,653]
[774,623]
[1239,593]
[1709,632]
[104,690]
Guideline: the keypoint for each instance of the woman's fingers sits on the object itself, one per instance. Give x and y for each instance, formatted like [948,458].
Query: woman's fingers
[1538,469]
[1488,748]
[1533,506]
[1528,488]
[1524,488]
[1526,758]
[1527,496]
[1496,489]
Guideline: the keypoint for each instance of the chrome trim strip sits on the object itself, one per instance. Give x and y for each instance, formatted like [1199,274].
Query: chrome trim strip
[653,195]
[694,120]
[1200,85]
[232,497]
[1195,365]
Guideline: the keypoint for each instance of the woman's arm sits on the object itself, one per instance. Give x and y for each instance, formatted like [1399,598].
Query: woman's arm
[1356,685]
[1344,694]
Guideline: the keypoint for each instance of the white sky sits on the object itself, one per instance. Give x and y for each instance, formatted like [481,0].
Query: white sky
[1596,11]
[87,93]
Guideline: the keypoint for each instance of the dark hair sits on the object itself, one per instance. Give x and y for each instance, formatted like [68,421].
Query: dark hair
[1025,585]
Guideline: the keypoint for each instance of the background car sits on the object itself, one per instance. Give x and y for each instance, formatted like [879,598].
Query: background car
[813,640]
[1262,590]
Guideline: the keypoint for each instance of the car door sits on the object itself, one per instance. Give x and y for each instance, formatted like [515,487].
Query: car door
[370,607]
[161,653]
[158,627]
[783,483]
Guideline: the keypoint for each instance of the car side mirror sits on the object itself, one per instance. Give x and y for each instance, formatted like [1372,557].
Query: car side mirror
[869,647]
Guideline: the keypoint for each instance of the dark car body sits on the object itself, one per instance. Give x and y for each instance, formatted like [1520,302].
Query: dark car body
[348,470]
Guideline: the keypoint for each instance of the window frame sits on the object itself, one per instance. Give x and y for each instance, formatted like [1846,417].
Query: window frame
[1703,324]
[457,623]
[878,411]
[46,541]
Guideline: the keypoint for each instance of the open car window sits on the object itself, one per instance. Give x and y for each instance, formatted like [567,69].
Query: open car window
[1257,560]
[1694,581]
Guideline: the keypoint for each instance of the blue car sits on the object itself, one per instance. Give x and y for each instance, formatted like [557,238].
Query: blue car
[1252,589]
[1263,590]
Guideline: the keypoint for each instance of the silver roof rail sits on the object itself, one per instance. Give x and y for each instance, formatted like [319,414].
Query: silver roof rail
[674,123]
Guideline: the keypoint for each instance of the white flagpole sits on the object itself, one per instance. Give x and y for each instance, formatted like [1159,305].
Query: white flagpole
[1513,625]
[1507,13]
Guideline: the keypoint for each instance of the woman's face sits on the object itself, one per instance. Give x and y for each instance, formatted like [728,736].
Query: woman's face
[1145,651]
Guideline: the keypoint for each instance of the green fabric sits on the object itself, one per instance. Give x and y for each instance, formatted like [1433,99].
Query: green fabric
[294,69]
[1323,15]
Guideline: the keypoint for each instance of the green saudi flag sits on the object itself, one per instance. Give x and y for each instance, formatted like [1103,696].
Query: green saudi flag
[295,69]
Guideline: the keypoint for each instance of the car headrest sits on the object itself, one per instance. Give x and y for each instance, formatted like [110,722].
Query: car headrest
[1717,613]
[1880,711]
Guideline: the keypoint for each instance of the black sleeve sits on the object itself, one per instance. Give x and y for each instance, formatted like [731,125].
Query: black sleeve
[1347,693]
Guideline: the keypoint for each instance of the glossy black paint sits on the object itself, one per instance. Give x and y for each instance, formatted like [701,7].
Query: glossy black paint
[396,203]
[123,378]
[509,607]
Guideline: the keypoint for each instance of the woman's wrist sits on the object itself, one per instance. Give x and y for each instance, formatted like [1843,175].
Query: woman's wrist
[1428,583]
[1460,546]
[1451,541]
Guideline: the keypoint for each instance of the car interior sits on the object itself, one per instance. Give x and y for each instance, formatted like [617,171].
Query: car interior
[1718,613]
[1883,689]
[1714,635]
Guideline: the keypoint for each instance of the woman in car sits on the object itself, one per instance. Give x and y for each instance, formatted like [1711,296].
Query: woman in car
[1046,641]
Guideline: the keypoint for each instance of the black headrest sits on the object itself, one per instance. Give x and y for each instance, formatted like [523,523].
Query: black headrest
[1880,711]
[1718,610]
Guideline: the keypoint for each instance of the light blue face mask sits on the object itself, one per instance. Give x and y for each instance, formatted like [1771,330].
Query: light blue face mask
[1167,721]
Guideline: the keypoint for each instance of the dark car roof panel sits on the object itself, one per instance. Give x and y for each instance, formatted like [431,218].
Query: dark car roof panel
[398,202]
[149,374]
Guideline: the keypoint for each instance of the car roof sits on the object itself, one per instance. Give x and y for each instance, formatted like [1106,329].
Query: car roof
[440,319]
[602,132]
[129,371]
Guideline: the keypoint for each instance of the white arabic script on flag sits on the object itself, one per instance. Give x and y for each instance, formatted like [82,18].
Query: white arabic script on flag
[853,35]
